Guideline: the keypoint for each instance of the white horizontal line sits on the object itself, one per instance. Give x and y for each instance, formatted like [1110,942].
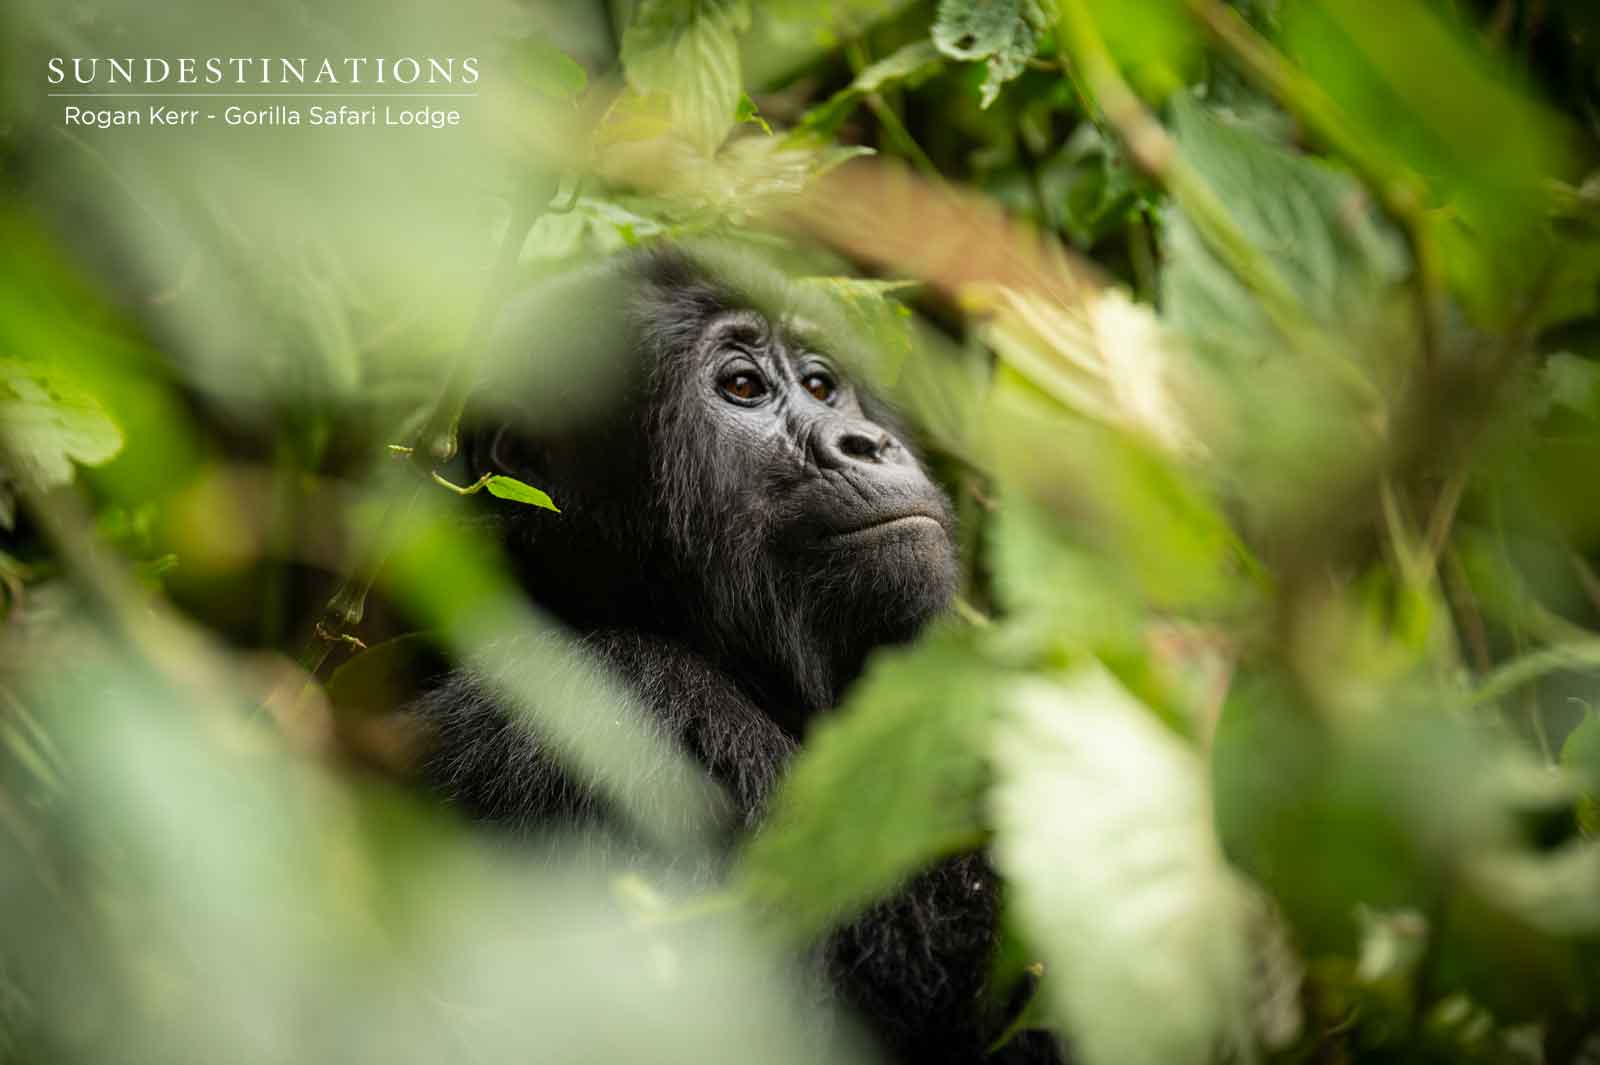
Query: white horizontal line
[280,95]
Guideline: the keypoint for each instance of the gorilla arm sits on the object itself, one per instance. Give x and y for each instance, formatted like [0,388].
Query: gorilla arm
[499,769]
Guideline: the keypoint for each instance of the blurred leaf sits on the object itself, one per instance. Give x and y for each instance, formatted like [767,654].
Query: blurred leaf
[1581,754]
[1053,590]
[688,51]
[1154,40]
[907,745]
[455,584]
[230,902]
[747,176]
[908,65]
[1314,224]
[1092,184]
[1103,830]
[48,422]
[549,71]
[1421,91]
[381,677]
[1123,501]
[884,324]
[1287,417]
[1002,33]
[502,487]
[1102,356]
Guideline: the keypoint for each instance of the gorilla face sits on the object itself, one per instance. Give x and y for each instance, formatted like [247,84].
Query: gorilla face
[841,490]
[743,496]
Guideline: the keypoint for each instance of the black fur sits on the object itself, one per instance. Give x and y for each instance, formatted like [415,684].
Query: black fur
[705,556]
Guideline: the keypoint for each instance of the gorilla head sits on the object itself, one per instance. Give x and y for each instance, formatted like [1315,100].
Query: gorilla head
[739,491]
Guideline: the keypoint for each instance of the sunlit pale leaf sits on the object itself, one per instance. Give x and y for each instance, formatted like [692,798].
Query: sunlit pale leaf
[1104,357]
[550,71]
[688,51]
[1103,828]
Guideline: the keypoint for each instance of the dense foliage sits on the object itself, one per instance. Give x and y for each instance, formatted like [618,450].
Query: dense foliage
[1259,344]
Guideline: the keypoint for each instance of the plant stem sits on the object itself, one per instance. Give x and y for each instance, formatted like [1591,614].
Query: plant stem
[1530,667]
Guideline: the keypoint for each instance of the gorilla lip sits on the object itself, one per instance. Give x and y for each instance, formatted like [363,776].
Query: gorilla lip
[885,524]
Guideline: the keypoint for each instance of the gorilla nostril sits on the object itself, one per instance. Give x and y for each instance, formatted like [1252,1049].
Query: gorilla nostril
[859,445]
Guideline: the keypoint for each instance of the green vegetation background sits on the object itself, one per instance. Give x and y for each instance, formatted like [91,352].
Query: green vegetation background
[1258,343]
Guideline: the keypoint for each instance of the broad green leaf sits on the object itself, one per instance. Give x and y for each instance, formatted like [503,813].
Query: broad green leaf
[908,746]
[49,422]
[1285,413]
[1421,93]
[1002,33]
[1313,223]
[549,71]
[502,487]
[688,51]
[908,65]
[1103,830]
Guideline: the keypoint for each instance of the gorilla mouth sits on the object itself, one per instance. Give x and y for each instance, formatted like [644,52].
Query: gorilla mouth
[913,522]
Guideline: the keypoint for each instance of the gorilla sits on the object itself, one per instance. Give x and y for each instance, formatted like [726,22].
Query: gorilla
[741,524]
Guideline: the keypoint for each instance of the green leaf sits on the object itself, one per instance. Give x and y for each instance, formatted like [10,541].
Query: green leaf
[1002,33]
[883,325]
[1314,223]
[688,51]
[1091,184]
[748,112]
[550,71]
[1581,754]
[48,422]
[1287,415]
[1103,830]
[1155,41]
[502,487]
[908,65]
[909,747]
[1420,92]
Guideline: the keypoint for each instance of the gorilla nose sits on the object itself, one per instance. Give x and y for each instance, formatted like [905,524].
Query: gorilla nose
[840,446]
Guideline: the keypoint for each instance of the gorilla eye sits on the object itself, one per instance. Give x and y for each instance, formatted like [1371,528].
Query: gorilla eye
[744,386]
[820,385]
